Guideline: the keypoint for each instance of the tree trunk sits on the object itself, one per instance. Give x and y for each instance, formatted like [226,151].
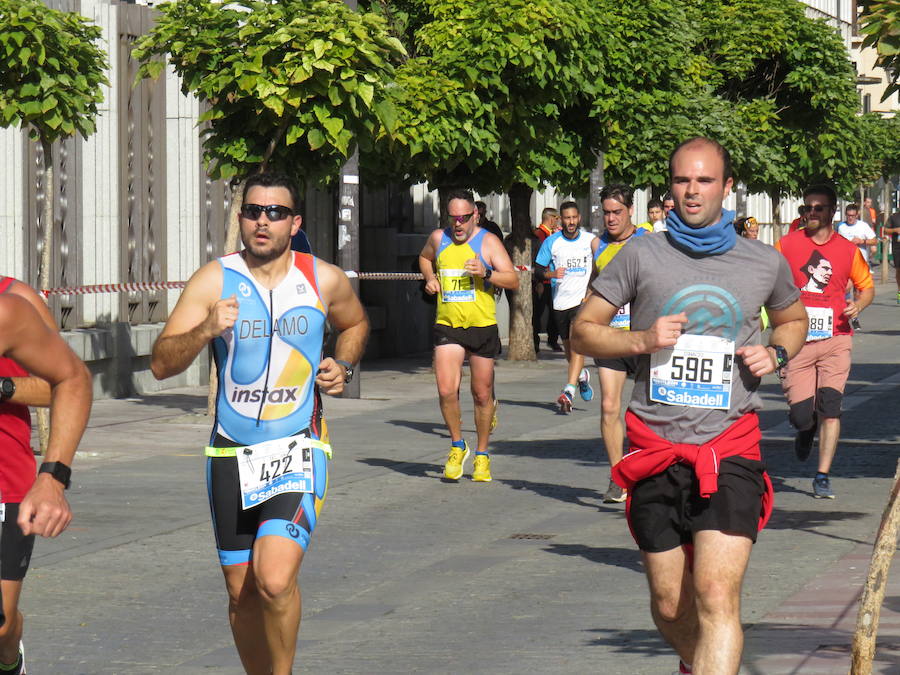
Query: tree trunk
[521,343]
[740,200]
[43,414]
[775,196]
[231,245]
[596,181]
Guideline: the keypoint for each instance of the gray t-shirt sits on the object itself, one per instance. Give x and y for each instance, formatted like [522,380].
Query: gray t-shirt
[721,295]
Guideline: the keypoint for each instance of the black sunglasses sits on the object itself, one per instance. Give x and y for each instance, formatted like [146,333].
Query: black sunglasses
[817,208]
[273,212]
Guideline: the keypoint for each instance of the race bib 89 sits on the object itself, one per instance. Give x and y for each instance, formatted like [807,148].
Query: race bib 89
[821,323]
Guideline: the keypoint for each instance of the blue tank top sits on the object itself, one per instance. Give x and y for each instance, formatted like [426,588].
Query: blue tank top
[267,362]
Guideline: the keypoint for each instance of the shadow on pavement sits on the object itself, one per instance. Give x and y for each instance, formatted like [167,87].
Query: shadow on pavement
[421,469]
[433,428]
[628,558]
[552,407]
[809,521]
[648,642]
[564,493]
[565,448]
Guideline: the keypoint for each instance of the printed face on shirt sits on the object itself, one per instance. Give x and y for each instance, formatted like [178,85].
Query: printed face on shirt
[617,219]
[571,220]
[819,271]
[698,184]
[266,239]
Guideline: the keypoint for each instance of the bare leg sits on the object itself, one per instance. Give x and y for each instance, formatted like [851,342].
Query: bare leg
[612,428]
[720,560]
[246,619]
[482,370]
[276,564]
[672,599]
[576,363]
[11,631]
[829,432]
[448,360]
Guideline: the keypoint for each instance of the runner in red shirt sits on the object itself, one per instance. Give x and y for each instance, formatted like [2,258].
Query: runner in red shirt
[822,262]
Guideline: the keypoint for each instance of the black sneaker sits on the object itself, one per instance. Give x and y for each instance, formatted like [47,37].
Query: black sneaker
[803,443]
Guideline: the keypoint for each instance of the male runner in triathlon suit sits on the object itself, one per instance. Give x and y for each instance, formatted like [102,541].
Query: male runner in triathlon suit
[694,472]
[461,264]
[565,258]
[617,203]
[18,390]
[823,262]
[264,309]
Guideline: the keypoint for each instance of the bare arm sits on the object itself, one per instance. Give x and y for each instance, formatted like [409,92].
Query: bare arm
[31,390]
[426,264]
[593,336]
[198,317]
[789,330]
[346,314]
[503,274]
[28,340]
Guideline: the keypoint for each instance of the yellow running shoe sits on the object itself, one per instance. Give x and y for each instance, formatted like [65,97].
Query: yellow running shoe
[453,469]
[494,418]
[482,472]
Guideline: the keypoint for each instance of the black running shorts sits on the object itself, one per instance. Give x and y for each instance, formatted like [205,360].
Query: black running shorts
[15,547]
[564,319]
[481,341]
[667,509]
[624,364]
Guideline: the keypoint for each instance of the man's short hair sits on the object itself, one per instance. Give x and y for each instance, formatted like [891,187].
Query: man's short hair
[481,206]
[568,205]
[813,261]
[724,155]
[548,211]
[668,197]
[654,204]
[624,194]
[273,179]
[822,189]
[461,193]
[851,207]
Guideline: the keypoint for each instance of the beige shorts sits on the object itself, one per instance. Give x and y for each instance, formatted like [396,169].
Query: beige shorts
[821,367]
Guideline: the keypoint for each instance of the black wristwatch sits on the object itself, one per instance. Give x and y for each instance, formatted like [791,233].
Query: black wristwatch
[7,388]
[348,370]
[59,471]
[781,357]
[488,272]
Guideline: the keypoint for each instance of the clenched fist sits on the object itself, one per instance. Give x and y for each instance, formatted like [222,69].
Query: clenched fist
[221,317]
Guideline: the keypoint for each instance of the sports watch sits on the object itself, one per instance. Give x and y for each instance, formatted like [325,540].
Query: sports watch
[7,388]
[59,471]
[488,272]
[348,370]
[781,357]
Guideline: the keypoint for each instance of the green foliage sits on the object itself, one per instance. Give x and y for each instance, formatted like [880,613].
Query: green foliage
[296,84]
[880,23]
[51,70]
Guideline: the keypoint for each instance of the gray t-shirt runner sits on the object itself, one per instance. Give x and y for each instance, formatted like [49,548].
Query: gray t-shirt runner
[721,295]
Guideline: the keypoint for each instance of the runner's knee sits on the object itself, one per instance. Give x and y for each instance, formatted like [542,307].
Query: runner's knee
[716,596]
[828,402]
[275,585]
[670,607]
[611,406]
[482,395]
[802,414]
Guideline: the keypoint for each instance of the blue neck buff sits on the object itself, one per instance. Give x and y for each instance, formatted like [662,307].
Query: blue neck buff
[710,240]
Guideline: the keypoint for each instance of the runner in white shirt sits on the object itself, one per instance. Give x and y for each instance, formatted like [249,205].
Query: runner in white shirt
[566,258]
[857,231]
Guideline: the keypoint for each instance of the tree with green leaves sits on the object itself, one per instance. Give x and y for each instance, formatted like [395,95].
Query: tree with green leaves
[50,78]
[294,86]
[496,98]
[879,21]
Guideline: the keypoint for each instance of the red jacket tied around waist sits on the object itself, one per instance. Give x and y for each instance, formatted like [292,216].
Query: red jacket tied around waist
[651,454]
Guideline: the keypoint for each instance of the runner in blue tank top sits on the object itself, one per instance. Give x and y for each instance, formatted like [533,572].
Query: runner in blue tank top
[265,310]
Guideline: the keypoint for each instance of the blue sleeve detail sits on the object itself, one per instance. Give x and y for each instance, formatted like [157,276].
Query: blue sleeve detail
[446,240]
[544,256]
[234,557]
[285,528]
[250,355]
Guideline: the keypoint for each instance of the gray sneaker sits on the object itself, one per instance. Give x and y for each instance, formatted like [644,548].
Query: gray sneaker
[822,488]
[614,494]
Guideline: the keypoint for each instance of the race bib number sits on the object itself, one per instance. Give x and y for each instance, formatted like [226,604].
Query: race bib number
[821,323]
[270,468]
[622,319]
[696,372]
[457,286]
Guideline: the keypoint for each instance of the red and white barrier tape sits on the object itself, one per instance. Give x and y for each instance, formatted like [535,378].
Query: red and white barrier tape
[174,285]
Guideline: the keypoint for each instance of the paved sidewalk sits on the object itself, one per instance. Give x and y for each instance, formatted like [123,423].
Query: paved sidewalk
[408,574]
